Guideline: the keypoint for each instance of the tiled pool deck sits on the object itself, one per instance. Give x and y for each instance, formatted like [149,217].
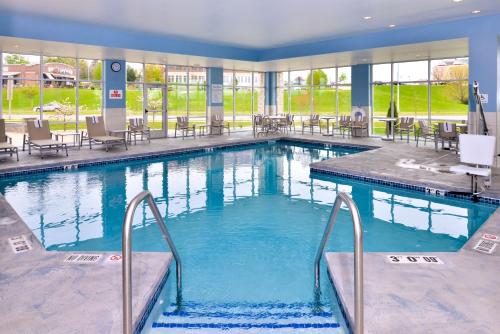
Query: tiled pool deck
[39,293]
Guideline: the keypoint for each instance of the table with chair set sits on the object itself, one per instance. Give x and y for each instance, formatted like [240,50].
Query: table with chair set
[216,126]
[274,124]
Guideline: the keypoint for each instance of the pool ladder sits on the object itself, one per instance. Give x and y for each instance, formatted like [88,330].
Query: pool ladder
[358,255]
[127,254]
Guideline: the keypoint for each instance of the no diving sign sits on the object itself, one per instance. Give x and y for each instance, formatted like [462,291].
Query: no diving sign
[413,259]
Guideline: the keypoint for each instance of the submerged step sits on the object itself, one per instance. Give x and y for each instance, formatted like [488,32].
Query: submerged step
[246,316]
[245,325]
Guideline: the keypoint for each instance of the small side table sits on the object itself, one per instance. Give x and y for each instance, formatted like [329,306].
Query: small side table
[75,135]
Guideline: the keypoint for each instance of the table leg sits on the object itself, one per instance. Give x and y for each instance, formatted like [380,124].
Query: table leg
[328,128]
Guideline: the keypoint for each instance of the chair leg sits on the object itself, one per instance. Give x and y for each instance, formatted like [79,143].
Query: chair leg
[125,142]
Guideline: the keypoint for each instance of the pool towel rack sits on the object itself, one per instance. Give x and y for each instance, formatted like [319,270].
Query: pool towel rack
[358,255]
[127,254]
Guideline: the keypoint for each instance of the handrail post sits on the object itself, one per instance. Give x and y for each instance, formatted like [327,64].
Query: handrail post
[127,254]
[358,256]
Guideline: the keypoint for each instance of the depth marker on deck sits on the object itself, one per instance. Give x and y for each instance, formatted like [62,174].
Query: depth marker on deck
[413,259]
[20,244]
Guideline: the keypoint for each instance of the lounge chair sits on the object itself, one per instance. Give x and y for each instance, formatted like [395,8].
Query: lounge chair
[40,137]
[406,125]
[97,133]
[311,123]
[136,127]
[6,142]
[359,127]
[217,123]
[184,127]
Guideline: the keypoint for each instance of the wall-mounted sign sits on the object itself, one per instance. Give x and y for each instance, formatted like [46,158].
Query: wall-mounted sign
[484,98]
[216,93]
[115,94]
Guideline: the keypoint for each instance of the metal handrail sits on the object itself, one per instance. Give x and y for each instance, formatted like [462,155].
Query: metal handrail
[127,254]
[358,255]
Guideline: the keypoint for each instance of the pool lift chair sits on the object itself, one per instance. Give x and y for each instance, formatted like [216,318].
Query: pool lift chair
[477,153]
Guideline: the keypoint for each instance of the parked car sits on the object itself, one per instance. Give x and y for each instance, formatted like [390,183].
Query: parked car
[52,106]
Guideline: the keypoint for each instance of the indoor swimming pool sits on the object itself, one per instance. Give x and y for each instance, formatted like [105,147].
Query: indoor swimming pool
[246,221]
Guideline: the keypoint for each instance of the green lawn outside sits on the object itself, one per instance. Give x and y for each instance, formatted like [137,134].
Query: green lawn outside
[413,101]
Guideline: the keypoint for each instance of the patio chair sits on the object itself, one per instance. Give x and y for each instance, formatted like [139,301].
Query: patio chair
[217,123]
[282,124]
[406,125]
[257,123]
[290,120]
[97,134]
[6,142]
[425,131]
[184,127]
[136,127]
[311,123]
[447,132]
[40,137]
[475,162]
[344,124]
[359,127]
[266,126]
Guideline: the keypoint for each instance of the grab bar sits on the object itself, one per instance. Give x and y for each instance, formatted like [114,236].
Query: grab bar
[127,254]
[358,255]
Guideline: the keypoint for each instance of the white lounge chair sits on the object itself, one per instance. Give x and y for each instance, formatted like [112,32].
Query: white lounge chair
[475,162]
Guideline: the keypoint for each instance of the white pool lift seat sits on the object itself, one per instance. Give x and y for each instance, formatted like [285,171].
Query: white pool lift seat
[477,154]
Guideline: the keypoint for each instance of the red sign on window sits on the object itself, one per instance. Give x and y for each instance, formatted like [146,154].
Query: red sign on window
[115,94]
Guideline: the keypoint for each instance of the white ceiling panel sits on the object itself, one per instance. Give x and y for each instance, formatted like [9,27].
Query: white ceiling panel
[253,23]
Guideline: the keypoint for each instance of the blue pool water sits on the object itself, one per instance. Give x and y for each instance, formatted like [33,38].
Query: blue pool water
[247,223]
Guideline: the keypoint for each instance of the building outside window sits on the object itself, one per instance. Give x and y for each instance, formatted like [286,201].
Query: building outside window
[59,89]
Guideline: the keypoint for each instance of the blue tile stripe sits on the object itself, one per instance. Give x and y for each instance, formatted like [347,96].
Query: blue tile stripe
[399,184]
[226,326]
[149,307]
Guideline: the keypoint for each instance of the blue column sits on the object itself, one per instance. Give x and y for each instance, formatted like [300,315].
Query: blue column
[215,92]
[270,107]
[361,94]
[483,68]
[484,58]
[114,108]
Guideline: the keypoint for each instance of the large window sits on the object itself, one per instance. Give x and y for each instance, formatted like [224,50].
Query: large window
[324,91]
[435,90]
[59,89]
[178,90]
[243,97]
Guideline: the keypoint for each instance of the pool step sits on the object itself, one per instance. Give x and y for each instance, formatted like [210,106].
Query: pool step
[196,317]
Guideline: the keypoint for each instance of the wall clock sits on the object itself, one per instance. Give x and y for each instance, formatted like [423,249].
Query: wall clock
[116,67]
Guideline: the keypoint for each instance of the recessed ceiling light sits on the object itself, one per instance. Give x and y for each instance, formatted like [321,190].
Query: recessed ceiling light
[392,25]
[476,11]
[367,17]
[457,0]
